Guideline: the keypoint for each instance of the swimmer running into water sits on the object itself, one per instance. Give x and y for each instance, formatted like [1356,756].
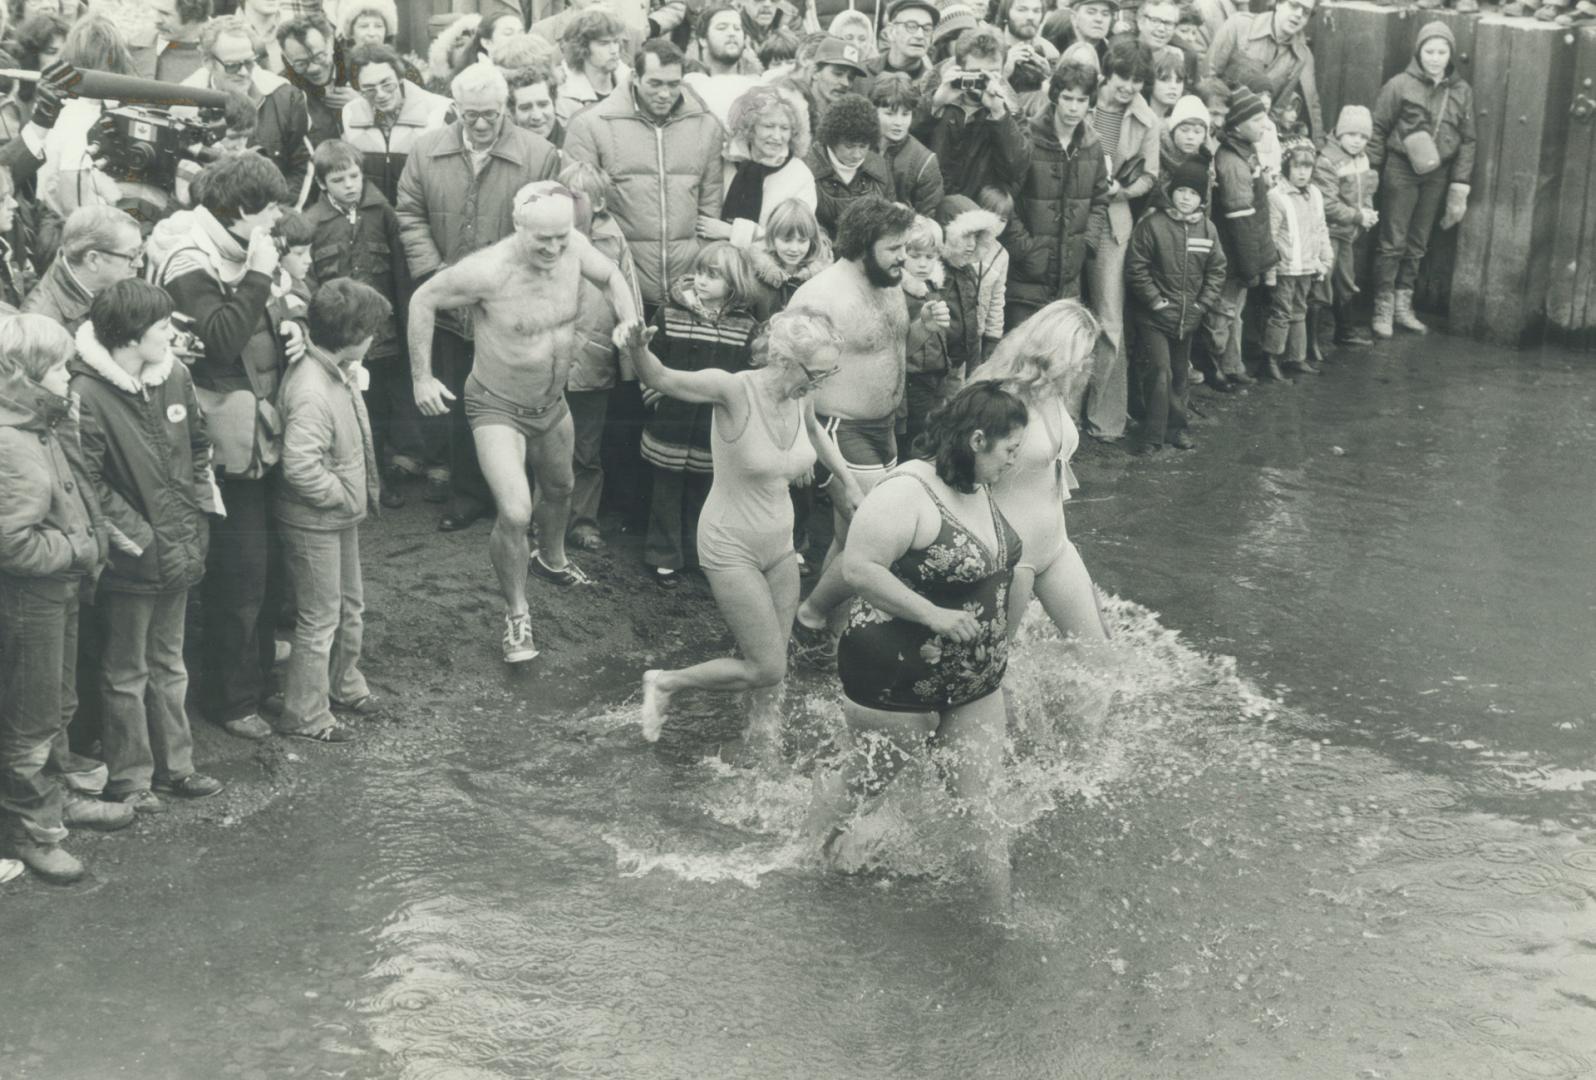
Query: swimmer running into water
[763,435]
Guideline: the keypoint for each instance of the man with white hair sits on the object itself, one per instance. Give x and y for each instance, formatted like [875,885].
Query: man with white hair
[100,245]
[523,292]
[456,196]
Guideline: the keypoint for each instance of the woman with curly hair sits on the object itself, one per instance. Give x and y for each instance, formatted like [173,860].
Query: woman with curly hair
[1046,362]
[767,136]
[763,435]
[594,44]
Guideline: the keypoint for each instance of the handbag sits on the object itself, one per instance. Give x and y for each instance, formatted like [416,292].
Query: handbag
[1423,154]
[1133,169]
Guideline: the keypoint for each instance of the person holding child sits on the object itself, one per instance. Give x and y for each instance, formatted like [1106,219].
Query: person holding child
[148,455]
[1423,143]
[329,485]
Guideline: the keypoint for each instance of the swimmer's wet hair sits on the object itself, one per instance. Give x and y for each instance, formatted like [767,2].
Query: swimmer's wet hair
[983,407]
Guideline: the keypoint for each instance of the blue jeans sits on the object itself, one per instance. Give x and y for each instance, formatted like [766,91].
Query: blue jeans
[143,684]
[38,694]
[1412,206]
[330,601]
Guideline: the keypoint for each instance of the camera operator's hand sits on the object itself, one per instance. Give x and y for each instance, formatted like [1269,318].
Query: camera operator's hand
[262,255]
[337,97]
[948,92]
[995,98]
[46,105]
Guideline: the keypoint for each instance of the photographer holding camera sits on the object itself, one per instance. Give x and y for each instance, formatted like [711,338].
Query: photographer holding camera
[972,127]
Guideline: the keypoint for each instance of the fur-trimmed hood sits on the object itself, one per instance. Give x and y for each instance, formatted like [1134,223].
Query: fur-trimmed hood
[97,359]
[438,55]
[919,290]
[349,10]
[973,222]
[772,273]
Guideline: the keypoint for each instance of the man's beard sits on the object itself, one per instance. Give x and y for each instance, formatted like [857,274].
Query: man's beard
[724,56]
[881,277]
[1024,32]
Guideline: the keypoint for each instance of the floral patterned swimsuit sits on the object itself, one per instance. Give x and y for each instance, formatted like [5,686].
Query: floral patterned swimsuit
[898,665]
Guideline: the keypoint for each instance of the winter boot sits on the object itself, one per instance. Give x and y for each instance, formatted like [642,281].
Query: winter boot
[50,862]
[1404,313]
[1384,306]
[1348,332]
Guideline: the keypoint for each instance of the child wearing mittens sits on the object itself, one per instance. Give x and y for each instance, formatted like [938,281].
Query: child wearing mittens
[1424,145]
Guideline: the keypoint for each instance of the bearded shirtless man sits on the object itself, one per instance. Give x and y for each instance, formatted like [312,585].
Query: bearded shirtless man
[862,293]
[523,292]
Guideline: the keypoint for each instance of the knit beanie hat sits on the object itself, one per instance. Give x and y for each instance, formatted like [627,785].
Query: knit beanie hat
[1244,105]
[1355,120]
[956,18]
[1191,173]
[1190,109]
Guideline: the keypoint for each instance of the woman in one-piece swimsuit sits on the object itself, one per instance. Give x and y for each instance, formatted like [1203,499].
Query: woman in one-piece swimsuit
[763,435]
[1046,362]
[931,557]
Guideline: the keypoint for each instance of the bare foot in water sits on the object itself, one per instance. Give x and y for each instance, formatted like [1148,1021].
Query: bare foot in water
[655,702]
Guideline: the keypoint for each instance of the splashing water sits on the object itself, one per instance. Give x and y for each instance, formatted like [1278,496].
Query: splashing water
[1142,705]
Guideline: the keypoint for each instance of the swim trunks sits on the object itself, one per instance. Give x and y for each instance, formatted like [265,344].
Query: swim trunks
[870,447]
[484,408]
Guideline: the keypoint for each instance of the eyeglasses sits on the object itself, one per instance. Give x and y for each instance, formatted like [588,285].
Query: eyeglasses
[133,257]
[1148,20]
[815,378]
[238,67]
[387,86]
[482,116]
[914,26]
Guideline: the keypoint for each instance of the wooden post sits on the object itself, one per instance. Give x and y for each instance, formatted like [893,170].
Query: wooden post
[1571,296]
[1357,46]
[1522,97]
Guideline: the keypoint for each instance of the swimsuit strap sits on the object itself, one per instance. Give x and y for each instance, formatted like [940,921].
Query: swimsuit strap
[951,520]
[770,428]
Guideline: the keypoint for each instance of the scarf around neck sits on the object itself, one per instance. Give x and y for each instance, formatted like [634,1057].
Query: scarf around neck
[745,195]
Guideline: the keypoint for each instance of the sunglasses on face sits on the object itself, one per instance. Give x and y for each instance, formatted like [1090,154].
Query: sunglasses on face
[238,67]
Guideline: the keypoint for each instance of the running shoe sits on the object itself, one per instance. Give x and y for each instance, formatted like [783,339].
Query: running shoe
[518,647]
[567,575]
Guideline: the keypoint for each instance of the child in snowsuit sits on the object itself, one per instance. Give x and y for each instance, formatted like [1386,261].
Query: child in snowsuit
[1296,208]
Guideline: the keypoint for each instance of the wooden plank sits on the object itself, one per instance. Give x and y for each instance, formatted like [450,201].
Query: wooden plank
[1492,54]
[1539,92]
[1357,46]
[1571,295]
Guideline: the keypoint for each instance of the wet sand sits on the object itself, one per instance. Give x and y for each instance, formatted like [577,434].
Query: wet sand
[1337,822]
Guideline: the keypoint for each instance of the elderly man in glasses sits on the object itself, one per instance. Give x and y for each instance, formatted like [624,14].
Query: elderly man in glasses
[230,47]
[1272,44]
[457,196]
[100,245]
[313,62]
[388,115]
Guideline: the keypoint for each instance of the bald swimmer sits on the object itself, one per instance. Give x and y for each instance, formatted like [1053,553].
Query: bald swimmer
[523,292]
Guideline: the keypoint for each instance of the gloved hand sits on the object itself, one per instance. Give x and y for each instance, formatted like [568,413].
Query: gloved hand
[53,86]
[1457,204]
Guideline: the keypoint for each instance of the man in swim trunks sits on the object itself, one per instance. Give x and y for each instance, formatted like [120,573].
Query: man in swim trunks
[862,294]
[524,293]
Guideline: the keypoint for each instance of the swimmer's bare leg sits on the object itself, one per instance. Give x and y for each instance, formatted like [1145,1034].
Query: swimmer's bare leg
[550,458]
[502,452]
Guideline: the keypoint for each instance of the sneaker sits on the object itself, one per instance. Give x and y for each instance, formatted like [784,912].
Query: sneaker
[366,706]
[143,802]
[249,727]
[193,786]
[567,575]
[518,647]
[96,814]
[332,734]
[666,578]
[1183,441]
[50,862]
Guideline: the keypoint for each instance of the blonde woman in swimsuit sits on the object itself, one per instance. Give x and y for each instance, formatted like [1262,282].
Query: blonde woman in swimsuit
[763,435]
[1046,362]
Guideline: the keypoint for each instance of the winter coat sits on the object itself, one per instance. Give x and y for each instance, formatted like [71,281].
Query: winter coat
[329,464]
[774,285]
[792,181]
[1301,236]
[1046,236]
[665,176]
[50,525]
[873,177]
[1241,210]
[993,263]
[1169,159]
[1174,269]
[370,250]
[447,210]
[385,154]
[597,361]
[1348,185]
[59,296]
[961,290]
[222,301]
[1245,48]
[282,124]
[974,151]
[926,352]
[982,313]
[1411,102]
[148,456]
[1138,137]
[676,433]
[916,175]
